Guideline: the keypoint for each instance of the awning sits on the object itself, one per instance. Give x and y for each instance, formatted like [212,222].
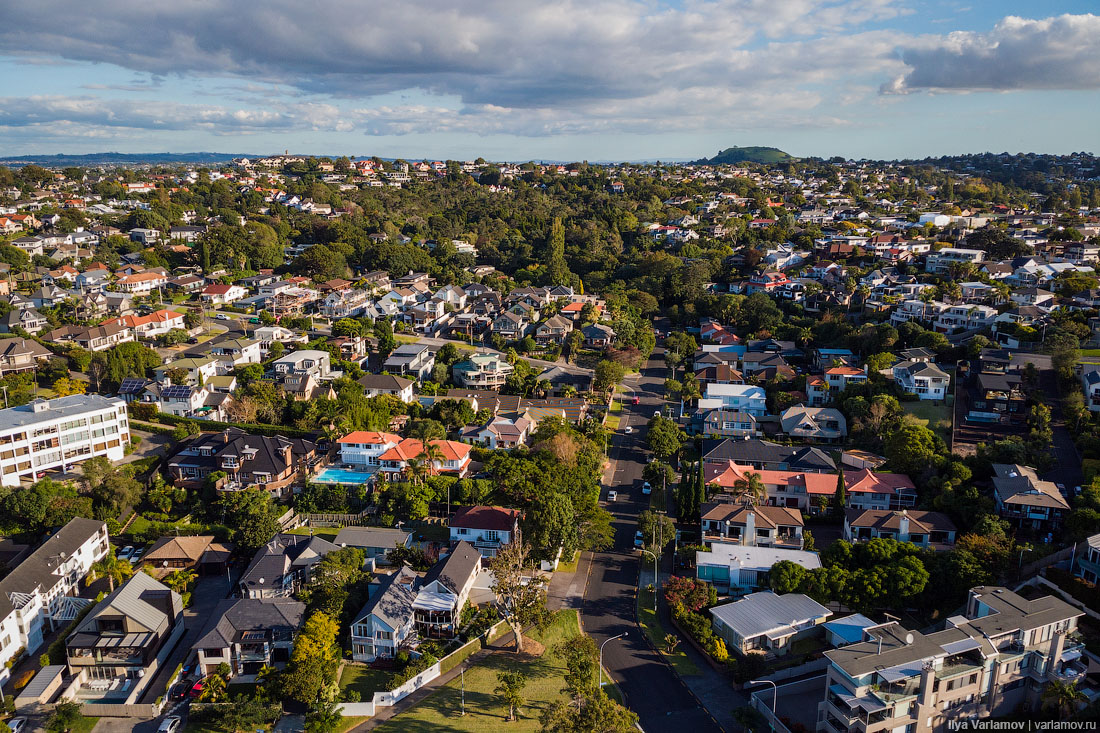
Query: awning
[1071,655]
[901,671]
[427,601]
[963,645]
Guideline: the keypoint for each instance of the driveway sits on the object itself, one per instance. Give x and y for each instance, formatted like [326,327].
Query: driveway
[208,592]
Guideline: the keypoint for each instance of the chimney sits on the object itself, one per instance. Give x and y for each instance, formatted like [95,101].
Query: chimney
[750,529]
[1057,644]
[903,526]
[927,685]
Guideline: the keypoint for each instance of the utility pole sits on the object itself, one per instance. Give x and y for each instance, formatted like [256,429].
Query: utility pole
[462,674]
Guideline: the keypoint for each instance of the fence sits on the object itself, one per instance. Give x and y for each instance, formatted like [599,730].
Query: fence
[108,710]
[817,665]
[447,663]
[1052,559]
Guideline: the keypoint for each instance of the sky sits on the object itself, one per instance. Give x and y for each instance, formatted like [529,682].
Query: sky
[596,80]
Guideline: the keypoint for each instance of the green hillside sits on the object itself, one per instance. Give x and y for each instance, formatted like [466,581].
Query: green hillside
[733,155]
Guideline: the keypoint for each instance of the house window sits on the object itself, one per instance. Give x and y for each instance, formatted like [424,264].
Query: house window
[463,531]
[492,535]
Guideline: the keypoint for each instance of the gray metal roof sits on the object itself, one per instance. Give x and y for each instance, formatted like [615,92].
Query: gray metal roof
[759,613]
[234,616]
[71,406]
[391,600]
[372,537]
[129,600]
[39,568]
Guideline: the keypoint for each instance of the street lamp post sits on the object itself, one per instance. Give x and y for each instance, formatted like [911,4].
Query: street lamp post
[775,694]
[600,670]
[654,556]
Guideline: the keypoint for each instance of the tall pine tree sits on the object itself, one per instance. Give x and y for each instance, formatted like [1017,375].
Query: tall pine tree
[557,271]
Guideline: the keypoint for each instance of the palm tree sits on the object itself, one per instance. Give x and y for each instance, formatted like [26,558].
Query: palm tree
[1064,696]
[110,567]
[416,469]
[213,690]
[750,488]
[180,580]
[432,455]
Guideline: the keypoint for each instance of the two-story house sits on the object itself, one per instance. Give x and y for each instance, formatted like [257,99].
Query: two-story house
[922,378]
[115,651]
[235,353]
[487,528]
[454,457]
[1087,563]
[249,634]
[735,569]
[733,522]
[365,447]
[747,398]
[814,424]
[273,463]
[380,384]
[414,360]
[553,330]
[482,371]
[283,566]
[866,489]
[1025,499]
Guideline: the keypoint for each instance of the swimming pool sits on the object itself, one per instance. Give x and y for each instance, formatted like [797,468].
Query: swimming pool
[342,476]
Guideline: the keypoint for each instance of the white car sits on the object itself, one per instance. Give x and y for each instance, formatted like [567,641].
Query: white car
[125,552]
[17,724]
[170,724]
[646,488]
[628,430]
[612,495]
[223,317]
[137,555]
[639,540]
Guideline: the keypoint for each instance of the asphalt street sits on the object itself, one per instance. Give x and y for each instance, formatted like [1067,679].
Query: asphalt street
[649,686]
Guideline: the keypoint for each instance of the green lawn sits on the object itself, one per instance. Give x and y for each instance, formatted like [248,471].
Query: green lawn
[364,679]
[1090,352]
[938,417]
[442,710]
[651,625]
[326,532]
[571,566]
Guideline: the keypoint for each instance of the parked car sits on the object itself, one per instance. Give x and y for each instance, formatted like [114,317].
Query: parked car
[612,496]
[628,430]
[170,724]
[646,488]
[639,540]
[137,555]
[125,552]
[196,689]
[636,401]
[253,320]
[17,724]
[223,317]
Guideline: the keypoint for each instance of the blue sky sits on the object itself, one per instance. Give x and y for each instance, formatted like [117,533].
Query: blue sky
[557,79]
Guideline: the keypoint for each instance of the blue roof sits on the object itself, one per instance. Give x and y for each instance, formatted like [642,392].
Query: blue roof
[850,628]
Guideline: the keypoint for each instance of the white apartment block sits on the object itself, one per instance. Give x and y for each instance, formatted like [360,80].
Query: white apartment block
[993,661]
[57,434]
[36,593]
[940,262]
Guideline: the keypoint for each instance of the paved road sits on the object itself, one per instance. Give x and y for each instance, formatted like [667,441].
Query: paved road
[649,686]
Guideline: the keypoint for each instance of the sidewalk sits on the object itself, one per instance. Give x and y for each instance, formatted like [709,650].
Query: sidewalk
[711,688]
[566,590]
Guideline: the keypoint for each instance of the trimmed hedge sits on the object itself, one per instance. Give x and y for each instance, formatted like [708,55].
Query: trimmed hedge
[213,426]
[149,427]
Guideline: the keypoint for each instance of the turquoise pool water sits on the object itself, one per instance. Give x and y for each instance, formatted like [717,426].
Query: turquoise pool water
[342,476]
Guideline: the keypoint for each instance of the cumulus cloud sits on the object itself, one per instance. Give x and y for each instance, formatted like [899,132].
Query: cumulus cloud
[488,52]
[1062,52]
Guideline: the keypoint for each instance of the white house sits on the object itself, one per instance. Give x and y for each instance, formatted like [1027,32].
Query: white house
[767,622]
[365,447]
[924,379]
[745,398]
[488,528]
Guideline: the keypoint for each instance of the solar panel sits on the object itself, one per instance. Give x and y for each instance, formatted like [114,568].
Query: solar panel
[177,390]
[132,384]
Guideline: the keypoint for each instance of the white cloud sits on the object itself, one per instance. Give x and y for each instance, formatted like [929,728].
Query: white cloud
[1062,52]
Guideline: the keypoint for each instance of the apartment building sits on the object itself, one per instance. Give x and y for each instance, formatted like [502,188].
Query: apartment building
[46,435]
[992,661]
[35,596]
[940,262]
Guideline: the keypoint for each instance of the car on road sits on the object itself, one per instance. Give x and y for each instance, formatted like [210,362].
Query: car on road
[647,489]
[253,320]
[612,495]
[636,401]
[628,430]
[125,552]
[17,724]
[223,317]
[639,539]
[171,724]
[192,340]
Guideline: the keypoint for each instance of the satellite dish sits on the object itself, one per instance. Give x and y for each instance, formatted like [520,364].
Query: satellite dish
[909,638]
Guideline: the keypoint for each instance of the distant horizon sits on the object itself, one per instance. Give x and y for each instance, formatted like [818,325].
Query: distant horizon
[9,158]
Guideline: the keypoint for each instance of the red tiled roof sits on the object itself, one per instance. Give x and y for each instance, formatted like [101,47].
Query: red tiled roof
[370,437]
[486,517]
